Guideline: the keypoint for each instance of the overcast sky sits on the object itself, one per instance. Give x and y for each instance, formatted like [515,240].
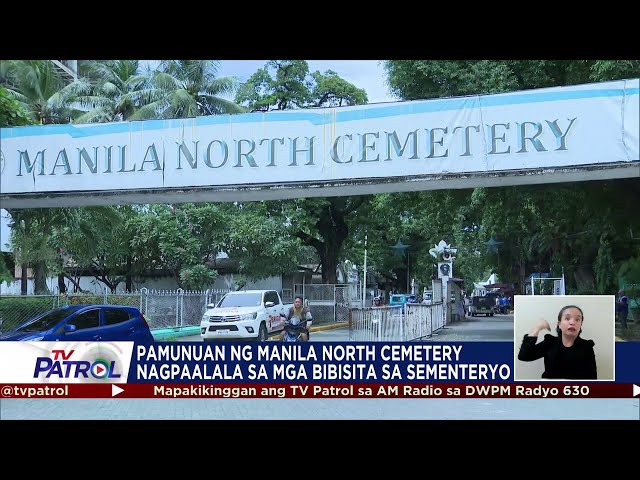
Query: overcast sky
[367,74]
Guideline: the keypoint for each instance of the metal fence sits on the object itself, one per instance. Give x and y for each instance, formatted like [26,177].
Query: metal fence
[161,308]
[391,324]
[328,302]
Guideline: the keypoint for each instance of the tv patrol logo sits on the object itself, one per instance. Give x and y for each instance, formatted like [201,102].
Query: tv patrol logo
[100,362]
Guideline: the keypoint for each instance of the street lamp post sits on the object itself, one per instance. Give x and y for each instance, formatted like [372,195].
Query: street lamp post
[408,276]
[364,280]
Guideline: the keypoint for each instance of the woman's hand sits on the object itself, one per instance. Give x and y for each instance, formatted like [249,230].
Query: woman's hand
[541,325]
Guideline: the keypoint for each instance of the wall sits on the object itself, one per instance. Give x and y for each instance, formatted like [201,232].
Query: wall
[90,284]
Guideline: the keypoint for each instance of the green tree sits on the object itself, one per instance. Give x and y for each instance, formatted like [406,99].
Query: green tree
[581,227]
[108,91]
[418,79]
[320,223]
[91,239]
[35,235]
[279,85]
[197,277]
[178,239]
[328,89]
[5,274]
[323,224]
[187,88]
[258,239]
[12,114]
[38,88]
[288,84]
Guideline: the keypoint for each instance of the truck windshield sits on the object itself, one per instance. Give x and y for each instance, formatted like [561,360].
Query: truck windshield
[241,300]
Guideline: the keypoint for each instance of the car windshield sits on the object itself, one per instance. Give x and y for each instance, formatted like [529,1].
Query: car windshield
[397,298]
[241,300]
[46,321]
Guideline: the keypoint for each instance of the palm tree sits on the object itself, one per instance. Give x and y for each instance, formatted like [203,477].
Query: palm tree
[108,91]
[37,86]
[188,88]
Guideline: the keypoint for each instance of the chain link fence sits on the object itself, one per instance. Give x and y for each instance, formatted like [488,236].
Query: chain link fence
[329,302]
[161,308]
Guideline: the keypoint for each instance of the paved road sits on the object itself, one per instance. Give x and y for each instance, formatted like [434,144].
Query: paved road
[473,329]
[319,409]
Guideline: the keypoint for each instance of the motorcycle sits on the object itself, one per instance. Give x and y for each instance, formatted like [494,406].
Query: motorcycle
[294,328]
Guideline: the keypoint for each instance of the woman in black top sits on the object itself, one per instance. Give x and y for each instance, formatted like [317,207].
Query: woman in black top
[566,356]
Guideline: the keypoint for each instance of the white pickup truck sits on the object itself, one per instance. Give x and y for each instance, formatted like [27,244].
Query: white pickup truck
[248,314]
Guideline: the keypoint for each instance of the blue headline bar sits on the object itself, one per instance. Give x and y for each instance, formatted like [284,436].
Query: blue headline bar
[334,362]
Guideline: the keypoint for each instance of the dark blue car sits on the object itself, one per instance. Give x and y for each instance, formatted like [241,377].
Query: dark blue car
[92,323]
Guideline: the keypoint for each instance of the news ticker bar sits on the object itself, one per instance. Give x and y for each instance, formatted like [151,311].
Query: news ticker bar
[336,390]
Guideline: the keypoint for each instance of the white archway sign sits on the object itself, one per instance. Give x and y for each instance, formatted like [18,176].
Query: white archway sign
[577,133]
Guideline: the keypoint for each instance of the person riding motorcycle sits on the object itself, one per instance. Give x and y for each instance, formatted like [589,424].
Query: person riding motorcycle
[298,321]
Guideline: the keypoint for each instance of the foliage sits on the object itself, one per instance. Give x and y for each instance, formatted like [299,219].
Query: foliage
[257,238]
[5,273]
[187,88]
[279,85]
[586,228]
[320,223]
[12,114]
[629,272]
[197,277]
[38,88]
[330,90]
[287,84]
[417,79]
[109,91]
[175,238]
[583,227]
[603,267]
[93,240]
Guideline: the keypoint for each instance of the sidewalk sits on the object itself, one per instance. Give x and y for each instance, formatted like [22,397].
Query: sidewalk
[632,332]
[192,334]
[329,326]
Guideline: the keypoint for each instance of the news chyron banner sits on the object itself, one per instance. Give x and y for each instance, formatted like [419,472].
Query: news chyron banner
[290,370]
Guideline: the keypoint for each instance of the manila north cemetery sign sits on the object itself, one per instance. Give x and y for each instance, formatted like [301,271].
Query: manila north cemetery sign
[562,134]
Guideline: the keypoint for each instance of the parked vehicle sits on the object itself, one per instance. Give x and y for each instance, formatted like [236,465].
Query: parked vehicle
[482,305]
[249,314]
[427,297]
[402,299]
[113,323]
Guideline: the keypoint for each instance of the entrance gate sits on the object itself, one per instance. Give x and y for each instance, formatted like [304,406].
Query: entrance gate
[559,134]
